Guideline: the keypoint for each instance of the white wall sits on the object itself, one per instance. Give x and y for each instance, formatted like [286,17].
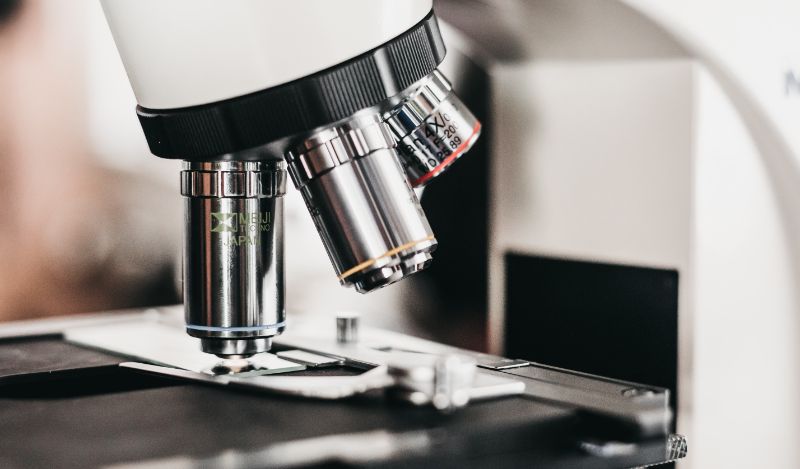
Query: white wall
[754,42]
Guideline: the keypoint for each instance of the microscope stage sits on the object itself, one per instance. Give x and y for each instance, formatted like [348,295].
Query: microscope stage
[66,405]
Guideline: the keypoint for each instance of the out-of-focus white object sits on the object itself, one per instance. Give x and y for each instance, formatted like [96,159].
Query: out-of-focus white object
[166,74]
[746,227]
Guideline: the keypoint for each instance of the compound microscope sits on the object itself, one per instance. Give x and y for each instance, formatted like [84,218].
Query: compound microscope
[346,97]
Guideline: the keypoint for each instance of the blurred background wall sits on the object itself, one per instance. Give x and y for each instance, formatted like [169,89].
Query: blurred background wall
[77,233]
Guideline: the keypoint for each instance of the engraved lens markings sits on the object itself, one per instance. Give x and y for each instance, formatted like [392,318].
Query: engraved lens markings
[243,227]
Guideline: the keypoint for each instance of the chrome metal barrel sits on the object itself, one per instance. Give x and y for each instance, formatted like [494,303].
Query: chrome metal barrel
[233,254]
[367,215]
[433,128]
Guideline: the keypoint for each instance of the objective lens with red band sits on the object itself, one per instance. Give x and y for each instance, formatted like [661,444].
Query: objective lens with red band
[433,129]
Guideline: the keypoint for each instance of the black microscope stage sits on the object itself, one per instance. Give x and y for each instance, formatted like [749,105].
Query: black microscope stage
[63,405]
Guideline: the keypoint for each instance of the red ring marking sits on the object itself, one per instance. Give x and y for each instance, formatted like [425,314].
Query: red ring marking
[447,161]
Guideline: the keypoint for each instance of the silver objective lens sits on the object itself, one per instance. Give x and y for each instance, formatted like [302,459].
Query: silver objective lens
[233,255]
[367,215]
[433,128]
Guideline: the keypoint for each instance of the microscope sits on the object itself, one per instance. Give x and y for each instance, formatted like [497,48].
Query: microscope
[351,104]
[347,99]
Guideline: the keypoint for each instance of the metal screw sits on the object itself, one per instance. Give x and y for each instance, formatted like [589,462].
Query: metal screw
[452,380]
[676,446]
[347,327]
[637,392]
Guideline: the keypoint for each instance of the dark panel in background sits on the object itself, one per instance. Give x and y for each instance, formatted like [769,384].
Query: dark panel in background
[611,320]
